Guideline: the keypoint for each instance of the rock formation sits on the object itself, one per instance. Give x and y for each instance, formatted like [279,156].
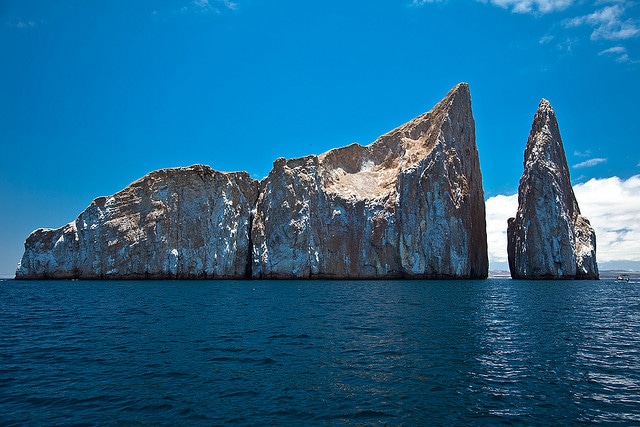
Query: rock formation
[173,223]
[548,238]
[409,205]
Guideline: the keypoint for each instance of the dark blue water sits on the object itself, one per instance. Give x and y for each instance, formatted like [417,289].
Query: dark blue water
[317,353]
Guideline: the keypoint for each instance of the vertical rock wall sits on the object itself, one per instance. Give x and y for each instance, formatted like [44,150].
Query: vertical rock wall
[548,238]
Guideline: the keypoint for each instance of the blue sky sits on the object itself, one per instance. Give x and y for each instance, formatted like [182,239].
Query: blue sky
[95,94]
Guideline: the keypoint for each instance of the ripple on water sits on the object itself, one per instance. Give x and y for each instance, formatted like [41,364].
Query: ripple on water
[361,353]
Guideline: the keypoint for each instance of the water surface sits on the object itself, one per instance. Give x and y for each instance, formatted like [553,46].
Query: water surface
[489,352]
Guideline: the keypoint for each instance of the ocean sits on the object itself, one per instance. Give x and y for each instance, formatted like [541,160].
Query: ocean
[485,352]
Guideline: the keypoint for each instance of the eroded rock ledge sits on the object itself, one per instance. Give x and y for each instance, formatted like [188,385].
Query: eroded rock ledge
[409,205]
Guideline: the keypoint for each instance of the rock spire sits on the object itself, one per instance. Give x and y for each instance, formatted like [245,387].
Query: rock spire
[408,205]
[549,238]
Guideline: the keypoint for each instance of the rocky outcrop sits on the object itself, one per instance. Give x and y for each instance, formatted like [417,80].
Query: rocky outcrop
[548,238]
[173,223]
[409,205]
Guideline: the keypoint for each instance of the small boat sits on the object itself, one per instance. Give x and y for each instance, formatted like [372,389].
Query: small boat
[622,278]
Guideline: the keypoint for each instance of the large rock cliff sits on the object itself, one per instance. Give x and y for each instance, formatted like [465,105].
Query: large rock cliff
[548,238]
[410,205]
[173,223]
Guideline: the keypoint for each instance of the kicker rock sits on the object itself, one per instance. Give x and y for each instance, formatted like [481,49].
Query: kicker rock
[173,223]
[548,238]
[409,205]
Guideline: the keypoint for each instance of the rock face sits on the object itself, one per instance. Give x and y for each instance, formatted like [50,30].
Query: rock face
[548,238]
[173,223]
[409,205]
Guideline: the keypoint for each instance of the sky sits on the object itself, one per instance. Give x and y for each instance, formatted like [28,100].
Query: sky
[95,94]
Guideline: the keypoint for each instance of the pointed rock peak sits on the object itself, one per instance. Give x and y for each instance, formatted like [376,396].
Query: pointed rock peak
[459,93]
[545,117]
[367,172]
[461,88]
[545,142]
[545,112]
[457,99]
[544,105]
[548,238]
[545,152]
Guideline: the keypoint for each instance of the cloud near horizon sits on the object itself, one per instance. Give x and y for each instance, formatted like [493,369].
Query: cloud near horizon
[498,210]
[612,205]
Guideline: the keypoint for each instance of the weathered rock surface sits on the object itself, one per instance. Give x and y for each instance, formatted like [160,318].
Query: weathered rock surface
[549,238]
[409,205]
[173,223]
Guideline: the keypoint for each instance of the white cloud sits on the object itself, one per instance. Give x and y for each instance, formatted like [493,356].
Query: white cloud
[589,163]
[585,153]
[611,205]
[209,6]
[206,4]
[230,4]
[614,50]
[546,39]
[608,23]
[619,52]
[499,209]
[517,6]
[533,6]
[613,208]
[25,24]
[21,24]
[417,3]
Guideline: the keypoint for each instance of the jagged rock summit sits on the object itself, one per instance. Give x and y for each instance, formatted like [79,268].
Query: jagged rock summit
[549,238]
[409,205]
